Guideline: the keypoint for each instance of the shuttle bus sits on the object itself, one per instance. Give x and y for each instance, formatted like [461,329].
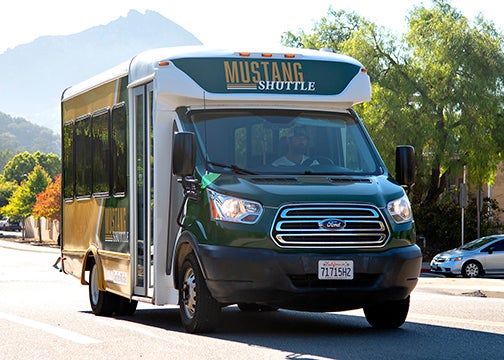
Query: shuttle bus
[208,178]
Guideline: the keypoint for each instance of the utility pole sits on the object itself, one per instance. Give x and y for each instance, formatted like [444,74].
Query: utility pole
[463,202]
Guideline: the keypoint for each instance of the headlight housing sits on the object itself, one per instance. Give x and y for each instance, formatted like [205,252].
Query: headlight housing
[232,209]
[400,210]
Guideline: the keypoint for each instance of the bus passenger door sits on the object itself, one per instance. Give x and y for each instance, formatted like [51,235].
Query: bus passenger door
[144,199]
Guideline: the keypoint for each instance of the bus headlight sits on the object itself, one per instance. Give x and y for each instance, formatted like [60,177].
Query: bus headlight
[400,210]
[232,209]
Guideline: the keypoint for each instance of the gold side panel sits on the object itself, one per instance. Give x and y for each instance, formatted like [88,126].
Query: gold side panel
[98,98]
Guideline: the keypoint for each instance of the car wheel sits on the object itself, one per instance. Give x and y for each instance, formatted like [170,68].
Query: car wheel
[388,315]
[472,269]
[199,311]
[103,303]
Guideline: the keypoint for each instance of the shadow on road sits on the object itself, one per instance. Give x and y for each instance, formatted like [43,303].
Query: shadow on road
[336,336]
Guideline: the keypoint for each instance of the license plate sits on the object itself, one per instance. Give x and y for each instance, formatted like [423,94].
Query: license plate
[335,270]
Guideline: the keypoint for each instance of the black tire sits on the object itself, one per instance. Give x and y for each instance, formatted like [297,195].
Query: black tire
[102,303]
[250,307]
[472,269]
[389,315]
[126,307]
[199,311]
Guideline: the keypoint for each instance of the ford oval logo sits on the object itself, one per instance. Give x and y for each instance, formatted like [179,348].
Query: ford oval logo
[332,224]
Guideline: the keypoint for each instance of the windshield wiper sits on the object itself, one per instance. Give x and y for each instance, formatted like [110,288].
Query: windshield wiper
[235,168]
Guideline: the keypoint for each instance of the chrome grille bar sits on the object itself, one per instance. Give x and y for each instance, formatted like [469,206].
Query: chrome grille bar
[303,226]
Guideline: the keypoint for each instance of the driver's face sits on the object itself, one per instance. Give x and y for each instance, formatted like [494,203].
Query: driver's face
[298,144]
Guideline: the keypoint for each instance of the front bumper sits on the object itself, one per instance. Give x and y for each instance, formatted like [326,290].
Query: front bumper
[244,275]
[446,267]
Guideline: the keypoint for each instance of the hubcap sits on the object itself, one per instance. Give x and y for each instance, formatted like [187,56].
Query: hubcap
[189,293]
[472,270]
[93,284]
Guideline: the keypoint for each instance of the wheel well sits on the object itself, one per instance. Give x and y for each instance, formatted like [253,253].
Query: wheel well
[183,250]
[476,262]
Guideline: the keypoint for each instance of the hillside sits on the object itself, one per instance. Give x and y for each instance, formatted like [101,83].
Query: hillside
[18,135]
[33,76]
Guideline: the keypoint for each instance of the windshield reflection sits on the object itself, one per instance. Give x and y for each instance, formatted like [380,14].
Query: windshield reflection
[282,142]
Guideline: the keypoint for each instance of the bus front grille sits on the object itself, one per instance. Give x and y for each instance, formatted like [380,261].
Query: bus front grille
[329,226]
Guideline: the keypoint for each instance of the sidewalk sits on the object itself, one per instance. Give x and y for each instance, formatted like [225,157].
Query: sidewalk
[28,245]
[477,287]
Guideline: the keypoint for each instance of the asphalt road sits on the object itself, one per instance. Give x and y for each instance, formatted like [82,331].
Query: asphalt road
[45,314]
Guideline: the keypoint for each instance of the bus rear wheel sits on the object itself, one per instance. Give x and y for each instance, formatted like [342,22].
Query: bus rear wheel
[102,303]
[199,311]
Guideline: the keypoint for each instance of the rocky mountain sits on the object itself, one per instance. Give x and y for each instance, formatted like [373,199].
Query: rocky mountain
[33,76]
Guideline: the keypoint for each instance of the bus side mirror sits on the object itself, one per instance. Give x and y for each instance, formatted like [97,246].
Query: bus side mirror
[184,154]
[405,165]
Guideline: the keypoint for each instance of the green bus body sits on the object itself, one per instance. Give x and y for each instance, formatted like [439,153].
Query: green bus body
[209,178]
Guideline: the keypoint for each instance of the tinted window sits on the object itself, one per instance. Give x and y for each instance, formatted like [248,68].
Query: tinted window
[68,161]
[118,150]
[83,156]
[101,153]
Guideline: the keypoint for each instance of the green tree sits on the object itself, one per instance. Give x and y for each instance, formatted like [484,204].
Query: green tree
[6,190]
[19,167]
[440,90]
[5,156]
[50,162]
[23,163]
[24,197]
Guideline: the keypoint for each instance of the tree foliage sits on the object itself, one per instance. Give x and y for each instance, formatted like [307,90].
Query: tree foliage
[23,199]
[22,164]
[439,89]
[6,190]
[47,203]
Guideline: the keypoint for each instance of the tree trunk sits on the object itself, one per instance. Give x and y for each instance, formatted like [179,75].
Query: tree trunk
[39,224]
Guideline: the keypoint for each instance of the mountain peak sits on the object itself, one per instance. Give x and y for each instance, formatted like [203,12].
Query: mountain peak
[33,75]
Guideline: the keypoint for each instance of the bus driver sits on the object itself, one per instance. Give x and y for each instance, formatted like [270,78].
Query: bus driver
[297,142]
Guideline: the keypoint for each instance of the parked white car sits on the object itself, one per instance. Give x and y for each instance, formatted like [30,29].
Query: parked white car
[484,256]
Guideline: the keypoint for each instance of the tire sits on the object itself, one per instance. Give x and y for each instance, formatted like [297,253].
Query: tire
[472,269]
[102,303]
[250,307]
[199,311]
[389,315]
[126,307]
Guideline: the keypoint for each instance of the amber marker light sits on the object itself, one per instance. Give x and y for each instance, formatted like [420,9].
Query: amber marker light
[268,55]
[289,56]
[244,53]
[363,70]
[163,63]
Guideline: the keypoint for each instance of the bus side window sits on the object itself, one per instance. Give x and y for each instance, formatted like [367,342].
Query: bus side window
[68,161]
[83,157]
[118,149]
[101,152]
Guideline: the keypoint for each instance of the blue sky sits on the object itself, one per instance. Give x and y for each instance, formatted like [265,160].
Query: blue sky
[215,22]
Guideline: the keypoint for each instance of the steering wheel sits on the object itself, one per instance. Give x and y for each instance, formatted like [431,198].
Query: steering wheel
[317,160]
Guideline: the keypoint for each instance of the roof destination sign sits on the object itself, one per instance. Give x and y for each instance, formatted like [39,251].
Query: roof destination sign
[278,76]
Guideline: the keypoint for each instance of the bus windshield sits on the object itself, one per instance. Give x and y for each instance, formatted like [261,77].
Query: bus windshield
[282,142]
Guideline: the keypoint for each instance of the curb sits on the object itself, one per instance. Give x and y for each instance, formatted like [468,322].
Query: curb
[425,268]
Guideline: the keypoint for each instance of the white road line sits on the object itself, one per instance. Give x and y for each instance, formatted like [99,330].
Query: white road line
[50,329]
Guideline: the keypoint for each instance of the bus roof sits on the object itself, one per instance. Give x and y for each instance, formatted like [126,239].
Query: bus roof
[290,71]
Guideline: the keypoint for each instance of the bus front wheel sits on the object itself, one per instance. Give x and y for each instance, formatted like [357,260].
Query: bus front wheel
[388,315]
[199,311]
